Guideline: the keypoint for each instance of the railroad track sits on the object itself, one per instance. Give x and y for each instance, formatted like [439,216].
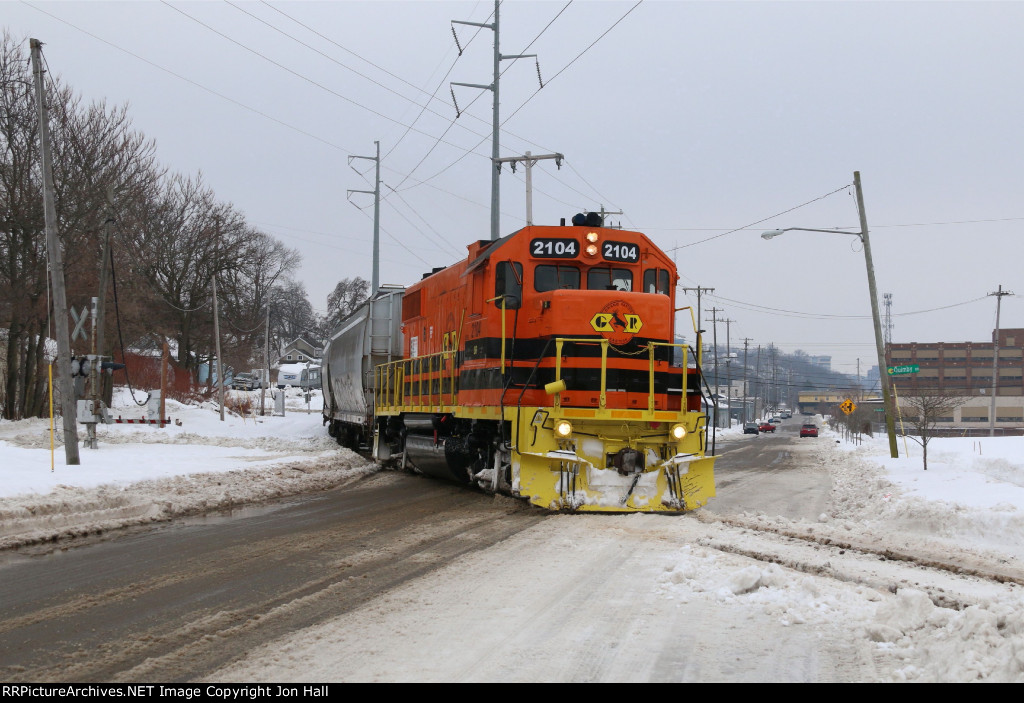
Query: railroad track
[821,550]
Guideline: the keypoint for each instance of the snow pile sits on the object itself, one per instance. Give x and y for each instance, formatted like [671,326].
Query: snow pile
[144,473]
[979,643]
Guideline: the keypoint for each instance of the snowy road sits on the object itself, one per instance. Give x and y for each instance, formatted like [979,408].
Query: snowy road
[176,602]
[765,473]
[399,578]
[810,565]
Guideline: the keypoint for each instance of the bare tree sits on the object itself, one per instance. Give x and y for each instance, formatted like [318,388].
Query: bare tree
[348,295]
[170,237]
[925,410]
[292,315]
[95,148]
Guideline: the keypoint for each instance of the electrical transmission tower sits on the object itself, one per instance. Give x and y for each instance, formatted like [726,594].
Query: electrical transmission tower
[888,318]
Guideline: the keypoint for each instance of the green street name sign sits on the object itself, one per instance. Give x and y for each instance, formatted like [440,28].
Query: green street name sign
[900,370]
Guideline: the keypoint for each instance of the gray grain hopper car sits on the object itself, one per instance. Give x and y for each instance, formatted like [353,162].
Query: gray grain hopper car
[370,336]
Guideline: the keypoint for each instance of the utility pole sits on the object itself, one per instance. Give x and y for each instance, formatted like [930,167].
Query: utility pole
[883,377]
[995,362]
[775,380]
[55,260]
[757,375]
[700,344]
[375,277]
[101,308]
[495,124]
[714,338]
[746,344]
[609,212]
[216,319]
[266,361]
[728,368]
[530,162]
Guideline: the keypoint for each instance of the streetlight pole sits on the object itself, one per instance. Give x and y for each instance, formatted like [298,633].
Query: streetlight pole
[883,377]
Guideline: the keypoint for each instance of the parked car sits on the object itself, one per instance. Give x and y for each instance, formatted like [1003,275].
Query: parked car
[766,427]
[750,428]
[809,430]
[245,382]
[775,421]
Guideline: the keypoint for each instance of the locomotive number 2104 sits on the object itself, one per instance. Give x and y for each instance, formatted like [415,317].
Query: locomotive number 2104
[554,248]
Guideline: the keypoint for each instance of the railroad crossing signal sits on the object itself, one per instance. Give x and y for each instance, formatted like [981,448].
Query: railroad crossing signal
[847,406]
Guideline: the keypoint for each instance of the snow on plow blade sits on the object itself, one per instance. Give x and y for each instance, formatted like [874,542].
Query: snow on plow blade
[563,480]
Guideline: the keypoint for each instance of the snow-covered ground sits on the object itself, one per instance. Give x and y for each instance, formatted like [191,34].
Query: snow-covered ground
[968,507]
[143,473]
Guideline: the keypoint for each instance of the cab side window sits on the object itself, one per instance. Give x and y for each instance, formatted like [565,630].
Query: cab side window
[610,279]
[548,277]
[508,284]
[656,281]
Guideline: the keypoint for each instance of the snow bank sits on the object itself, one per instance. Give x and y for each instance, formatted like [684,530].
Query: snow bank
[144,473]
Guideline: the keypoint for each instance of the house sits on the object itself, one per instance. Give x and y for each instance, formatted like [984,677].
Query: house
[299,351]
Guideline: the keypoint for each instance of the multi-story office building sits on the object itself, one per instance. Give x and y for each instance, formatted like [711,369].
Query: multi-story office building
[967,368]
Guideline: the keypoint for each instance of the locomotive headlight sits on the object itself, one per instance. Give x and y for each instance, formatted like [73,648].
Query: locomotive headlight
[678,432]
[592,237]
[563,428]
[591,250]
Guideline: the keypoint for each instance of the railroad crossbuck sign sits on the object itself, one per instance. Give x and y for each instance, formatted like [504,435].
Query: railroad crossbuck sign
[847,406]
[79,318]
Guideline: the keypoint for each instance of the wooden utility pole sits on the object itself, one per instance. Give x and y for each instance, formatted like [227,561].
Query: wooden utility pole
[746,346]
[105,381]
[163,383]
[266,361]
[216,320]
[995,363]
[56,263]
[700,348]
[714,340]
[531,160]
[728,368]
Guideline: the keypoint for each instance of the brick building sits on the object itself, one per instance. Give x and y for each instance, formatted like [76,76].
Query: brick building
[966,367]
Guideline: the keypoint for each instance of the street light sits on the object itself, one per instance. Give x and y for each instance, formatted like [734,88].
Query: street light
[883,377]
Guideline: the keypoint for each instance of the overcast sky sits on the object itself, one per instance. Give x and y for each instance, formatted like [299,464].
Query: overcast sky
[704,123]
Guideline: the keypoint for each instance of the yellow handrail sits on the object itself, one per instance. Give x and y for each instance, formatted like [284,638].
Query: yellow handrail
[390,377]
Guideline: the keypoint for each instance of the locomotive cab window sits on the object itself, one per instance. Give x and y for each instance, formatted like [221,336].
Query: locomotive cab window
[508,284]
[609,279]
[547,278]
[656,281]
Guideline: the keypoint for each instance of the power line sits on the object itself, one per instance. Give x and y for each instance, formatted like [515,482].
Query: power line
[827,316]
[779,214]
[349,68]
[300,75]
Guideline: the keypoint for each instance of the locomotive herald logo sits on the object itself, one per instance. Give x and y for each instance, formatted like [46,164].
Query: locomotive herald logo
[617,322]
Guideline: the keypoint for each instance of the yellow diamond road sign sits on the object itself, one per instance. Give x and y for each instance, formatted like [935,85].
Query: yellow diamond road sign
[847,406]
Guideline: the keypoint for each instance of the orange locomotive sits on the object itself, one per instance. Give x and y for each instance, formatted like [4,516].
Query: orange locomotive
[544,366]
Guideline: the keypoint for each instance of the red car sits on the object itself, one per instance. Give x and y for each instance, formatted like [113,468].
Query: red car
[809,430]
[766,427]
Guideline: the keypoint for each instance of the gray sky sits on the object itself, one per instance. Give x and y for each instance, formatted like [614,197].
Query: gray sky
[694,119]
